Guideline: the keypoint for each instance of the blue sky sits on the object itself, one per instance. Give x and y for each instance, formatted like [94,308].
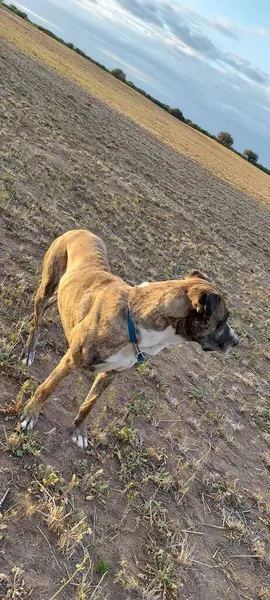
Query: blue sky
[211,59]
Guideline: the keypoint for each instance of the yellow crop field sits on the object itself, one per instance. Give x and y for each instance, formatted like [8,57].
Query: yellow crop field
[219,160]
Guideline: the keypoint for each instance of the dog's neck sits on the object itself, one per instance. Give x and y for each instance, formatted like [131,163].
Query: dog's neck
[157,305]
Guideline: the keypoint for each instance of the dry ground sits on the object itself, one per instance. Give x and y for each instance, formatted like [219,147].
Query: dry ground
[172,498]
[189,142]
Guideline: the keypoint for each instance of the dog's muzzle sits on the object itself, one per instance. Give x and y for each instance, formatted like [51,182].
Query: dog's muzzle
[223,343]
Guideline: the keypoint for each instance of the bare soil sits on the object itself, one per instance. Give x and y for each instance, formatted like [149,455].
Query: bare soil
[215,157]
[174,489]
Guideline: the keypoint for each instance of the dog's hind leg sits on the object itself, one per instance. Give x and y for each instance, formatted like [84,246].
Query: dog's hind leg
[54,265]
[40,302]
[79,434]
[35,404]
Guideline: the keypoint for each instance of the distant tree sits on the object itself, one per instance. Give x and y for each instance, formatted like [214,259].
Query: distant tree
[225,138]
[18,12]
[119,74]
[177,113]
[251,156]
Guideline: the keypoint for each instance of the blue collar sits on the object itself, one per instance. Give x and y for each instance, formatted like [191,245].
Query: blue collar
[133,339]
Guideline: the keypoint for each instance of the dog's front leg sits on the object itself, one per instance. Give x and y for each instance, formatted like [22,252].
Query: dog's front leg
[35,404]
[79,434]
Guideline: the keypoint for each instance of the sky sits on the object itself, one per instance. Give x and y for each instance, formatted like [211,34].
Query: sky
[209,58]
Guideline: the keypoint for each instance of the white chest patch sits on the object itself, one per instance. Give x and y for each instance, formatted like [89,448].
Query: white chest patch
[121,361]
[151,342]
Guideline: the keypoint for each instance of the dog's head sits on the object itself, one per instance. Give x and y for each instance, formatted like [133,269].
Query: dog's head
[206,322]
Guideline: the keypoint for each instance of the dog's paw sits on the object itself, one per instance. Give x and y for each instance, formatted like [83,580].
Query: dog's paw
[80,437]
[28,353]
[29,359]
[27,356]
[27,422]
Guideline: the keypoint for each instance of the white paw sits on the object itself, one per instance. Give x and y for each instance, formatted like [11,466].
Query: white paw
[30,358]
[80,437]
[28,422]
[28,352]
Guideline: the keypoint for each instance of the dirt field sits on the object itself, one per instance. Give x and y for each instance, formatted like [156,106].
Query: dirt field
[216,158]
[172,498]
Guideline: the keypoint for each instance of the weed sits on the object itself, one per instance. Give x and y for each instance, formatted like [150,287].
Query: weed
[19,443]
[84,587]
[157,515]
[180,549]
[124,434]
[266,459]
[161,575]
[258,549]
[264,593]
[52,481]
[30,507]
[161,478]
[69,525]
[224,490]
[262,418]
[102,567]
[142,407]
[73,532]
[263,505]
[29,386]
[236,527]
[15,589]
[93,485]
[144,368]
[5,519]
[196,395]
[125,578]
[156,453]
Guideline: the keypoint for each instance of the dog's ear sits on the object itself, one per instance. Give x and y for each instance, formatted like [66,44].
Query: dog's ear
[207,304]
[195,273]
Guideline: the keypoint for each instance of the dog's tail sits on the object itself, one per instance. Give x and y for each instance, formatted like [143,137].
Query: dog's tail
[53,268]
[54,265]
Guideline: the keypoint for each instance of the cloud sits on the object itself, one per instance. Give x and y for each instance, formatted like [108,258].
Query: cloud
[227,27]
[219,23]
[182,30]
[147,11]
[85,4]
[141,75]
[223,27]
[246,68]
[174,54]
[183,25]
[31,12]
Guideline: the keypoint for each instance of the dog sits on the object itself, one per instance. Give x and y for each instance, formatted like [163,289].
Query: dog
[109,324]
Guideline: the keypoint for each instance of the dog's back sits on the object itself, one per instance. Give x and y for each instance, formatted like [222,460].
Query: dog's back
[72,250]
[85,248]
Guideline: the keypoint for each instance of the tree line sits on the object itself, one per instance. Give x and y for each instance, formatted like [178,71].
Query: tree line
[223,137]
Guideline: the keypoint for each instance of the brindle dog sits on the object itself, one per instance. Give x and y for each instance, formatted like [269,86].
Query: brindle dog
[94,305]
